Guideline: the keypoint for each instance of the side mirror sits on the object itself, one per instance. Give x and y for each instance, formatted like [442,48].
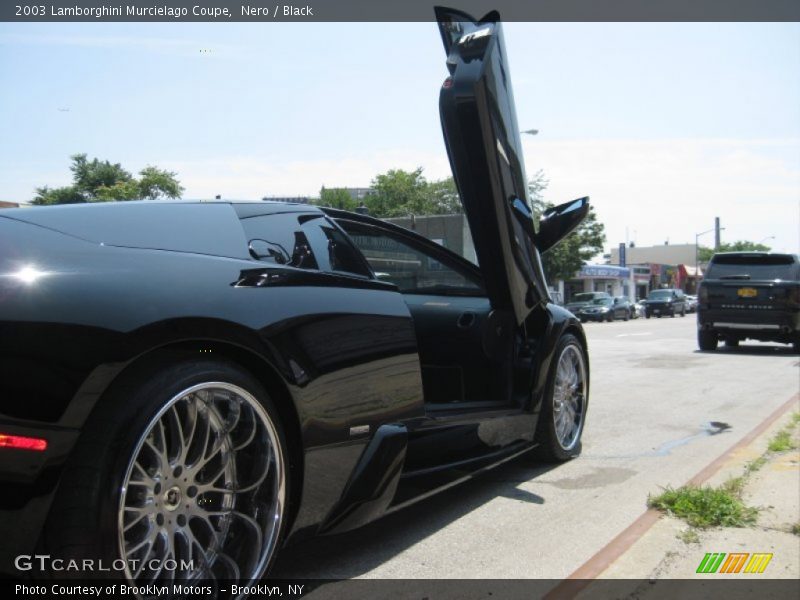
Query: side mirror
[264,250]
[558,222]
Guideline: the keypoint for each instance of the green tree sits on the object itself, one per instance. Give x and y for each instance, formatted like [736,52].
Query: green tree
[536,188]
[120,191]
[90,176]
[398,193]
[157,183]
[566,258]
[102,181]
[64,195]
[337,198]
[704,254]
[443,198]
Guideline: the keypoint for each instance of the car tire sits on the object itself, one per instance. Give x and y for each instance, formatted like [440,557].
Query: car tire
[646,316]
[627,316]
[707,340]
[174,460]
[563,413]
[683,312]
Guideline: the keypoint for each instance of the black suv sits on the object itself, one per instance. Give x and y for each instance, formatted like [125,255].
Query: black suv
[668,301]
[753,295]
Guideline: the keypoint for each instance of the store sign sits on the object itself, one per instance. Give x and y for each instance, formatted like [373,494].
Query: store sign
[605,272]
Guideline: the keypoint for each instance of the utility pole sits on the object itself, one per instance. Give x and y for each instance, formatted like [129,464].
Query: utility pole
[716,234]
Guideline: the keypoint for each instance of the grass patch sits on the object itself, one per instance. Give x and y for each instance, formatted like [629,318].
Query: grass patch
[755,465]
[782,441]
[796,418]
[707,506]
[734,485]
[796,528]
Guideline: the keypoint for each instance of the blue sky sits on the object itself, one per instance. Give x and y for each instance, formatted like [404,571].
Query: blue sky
[665,125]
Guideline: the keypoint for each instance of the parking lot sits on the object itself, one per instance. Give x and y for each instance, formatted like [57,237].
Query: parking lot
[660,411]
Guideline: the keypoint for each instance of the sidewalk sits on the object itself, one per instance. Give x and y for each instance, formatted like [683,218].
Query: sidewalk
[671,549]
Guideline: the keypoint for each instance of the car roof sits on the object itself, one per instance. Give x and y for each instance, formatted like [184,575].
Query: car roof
[753,254]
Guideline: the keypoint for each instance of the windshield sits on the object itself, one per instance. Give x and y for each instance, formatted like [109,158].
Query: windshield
[602,302]
[586,297]
[769,266]
[660,295]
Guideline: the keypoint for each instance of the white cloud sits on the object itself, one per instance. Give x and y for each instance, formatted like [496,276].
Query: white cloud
[253,177]
[656,189]
[159,45]
[673,189]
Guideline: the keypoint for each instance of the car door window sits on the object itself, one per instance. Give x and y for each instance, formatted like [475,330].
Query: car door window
[412,270]
[341,255]
[284,237]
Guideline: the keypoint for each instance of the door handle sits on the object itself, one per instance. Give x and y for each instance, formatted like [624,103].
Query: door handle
[466,320]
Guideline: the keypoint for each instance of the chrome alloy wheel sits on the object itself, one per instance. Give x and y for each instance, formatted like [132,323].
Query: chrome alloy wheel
[569,396]
[204,490]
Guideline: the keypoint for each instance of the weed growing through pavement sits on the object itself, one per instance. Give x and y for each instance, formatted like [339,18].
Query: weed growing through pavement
[689,536]
[782,441]
[707,506]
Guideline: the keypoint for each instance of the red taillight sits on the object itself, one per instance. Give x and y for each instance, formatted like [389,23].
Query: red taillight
[21,442]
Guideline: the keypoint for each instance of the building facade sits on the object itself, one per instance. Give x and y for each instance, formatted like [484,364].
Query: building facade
[450,231]
[612,279]
[667,254]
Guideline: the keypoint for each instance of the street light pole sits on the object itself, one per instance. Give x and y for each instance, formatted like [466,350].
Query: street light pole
[696,261]
[769,237]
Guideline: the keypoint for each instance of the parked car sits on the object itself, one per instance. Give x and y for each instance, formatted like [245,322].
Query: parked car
[556,298]
[691,303]
[605,309]
[749,295]
[207,382]
[583,299]
[664,302]
[622,302]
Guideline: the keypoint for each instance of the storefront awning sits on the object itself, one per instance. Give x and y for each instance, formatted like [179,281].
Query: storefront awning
[691,271]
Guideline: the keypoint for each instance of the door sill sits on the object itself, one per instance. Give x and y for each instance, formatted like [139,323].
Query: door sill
[459,408]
